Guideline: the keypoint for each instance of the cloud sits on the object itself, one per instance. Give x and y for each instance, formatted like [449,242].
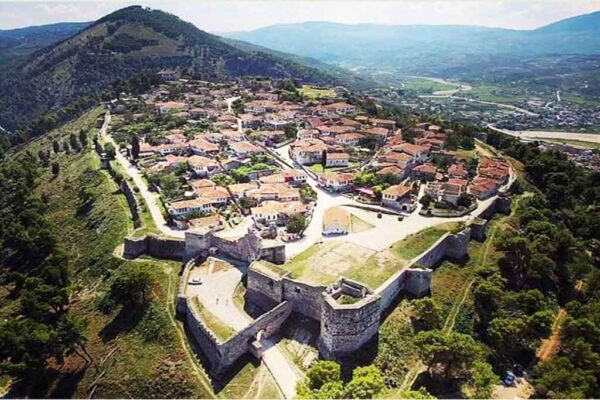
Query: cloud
[222,16]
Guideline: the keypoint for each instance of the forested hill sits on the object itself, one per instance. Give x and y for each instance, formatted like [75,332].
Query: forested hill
[18,43]
[121,45]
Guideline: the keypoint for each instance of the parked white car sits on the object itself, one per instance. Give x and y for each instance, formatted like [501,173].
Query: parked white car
[195,281]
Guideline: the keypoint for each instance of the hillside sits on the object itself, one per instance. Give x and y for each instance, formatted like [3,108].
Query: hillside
[369,44]
[17,43]
[120,45]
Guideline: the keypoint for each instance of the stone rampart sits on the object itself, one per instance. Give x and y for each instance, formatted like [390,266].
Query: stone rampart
[416,281]
[248,247]
[239,344]
[222,354]
[157,247]
[307,299]
[347,327]
[134,207]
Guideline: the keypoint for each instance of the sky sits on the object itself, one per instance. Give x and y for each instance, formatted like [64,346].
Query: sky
[238,15]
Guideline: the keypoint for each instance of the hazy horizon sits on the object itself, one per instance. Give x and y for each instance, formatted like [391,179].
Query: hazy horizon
[232,16]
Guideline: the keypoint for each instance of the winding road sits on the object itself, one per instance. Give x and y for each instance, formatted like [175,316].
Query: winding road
[387,230]
[152,199]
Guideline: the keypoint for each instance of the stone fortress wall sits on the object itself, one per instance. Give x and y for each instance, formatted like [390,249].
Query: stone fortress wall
[223,354]
[349,312]
[345,327]
[248,247]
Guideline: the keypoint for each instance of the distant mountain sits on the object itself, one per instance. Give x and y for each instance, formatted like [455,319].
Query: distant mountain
[122,44]
[371,44]
[20,42]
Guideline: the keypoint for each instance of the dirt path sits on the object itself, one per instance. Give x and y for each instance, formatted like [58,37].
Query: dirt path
[550,346]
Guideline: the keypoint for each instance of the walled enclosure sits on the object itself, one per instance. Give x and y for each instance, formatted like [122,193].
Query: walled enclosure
[222,354]
[344,327]
[347,327]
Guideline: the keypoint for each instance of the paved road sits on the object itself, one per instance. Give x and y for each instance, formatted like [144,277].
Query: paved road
[387,229]
[152,199]
[556,135]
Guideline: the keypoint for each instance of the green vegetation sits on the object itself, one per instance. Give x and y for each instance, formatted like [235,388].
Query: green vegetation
[426,86]
[221,330]
[313,92]
[324,381]
[416,244]
[137,347]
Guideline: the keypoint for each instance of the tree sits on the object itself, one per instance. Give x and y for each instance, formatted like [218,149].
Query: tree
[55,168]
[488,300]
[447,356]
[66,147]
[323,380]
[131,284]
[425,314]
[56,146]
[74,142]
[559,378]
[366,383]
[296,224]
[135,147]
[426,200]
[291,131]
[464,200]
[83,137]
[516,258]
[482,381]
[110,151]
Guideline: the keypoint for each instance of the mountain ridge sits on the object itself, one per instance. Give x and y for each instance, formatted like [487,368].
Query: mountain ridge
[367,43]
[123,43]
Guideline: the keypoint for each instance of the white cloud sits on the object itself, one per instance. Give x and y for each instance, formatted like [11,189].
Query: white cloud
[221,16]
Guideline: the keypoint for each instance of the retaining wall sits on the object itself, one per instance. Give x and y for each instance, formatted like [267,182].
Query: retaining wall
[134,206]
[170,249]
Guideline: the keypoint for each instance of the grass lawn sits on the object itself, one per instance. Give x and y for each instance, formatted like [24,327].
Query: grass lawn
[416,244]
[221,330]
[580,143]
[317,168]
[313,92]
[138,351]
[323,263]
[425,86]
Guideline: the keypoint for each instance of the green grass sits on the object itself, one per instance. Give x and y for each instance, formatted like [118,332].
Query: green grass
[251,382]
[151,355]
[581,143]
[317,168]
[221,330]
[416,244]
[312,92]
[425,86]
